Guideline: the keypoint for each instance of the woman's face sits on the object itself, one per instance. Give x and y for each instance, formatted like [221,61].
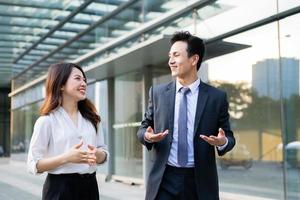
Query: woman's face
[75,87]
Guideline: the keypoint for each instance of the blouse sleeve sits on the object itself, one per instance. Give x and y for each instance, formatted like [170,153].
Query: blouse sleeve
[38,143]
[100,143]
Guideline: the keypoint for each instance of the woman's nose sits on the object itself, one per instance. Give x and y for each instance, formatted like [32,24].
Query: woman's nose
[83,83]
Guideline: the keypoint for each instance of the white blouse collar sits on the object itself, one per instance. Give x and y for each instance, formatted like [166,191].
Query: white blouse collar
[68,119]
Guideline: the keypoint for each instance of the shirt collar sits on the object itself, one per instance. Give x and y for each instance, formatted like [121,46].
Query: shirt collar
[193,87]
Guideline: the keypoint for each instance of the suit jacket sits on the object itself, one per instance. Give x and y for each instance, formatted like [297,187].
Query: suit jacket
[211,114]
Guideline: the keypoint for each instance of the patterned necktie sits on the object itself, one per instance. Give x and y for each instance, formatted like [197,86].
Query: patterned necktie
[182,153]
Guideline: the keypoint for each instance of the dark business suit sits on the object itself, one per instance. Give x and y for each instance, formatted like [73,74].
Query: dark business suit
[211,114]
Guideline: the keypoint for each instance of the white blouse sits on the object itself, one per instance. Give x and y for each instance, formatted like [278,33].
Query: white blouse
[55,134]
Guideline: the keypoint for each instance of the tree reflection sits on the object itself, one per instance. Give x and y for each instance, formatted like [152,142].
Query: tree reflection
[253,115]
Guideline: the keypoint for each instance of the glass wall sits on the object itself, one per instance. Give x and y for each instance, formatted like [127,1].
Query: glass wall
[128,115]
[101,103]
[250,76]
[289,63]
[23,120]
[258,67]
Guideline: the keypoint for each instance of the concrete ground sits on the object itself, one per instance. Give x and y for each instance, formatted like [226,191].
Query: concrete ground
[17,184]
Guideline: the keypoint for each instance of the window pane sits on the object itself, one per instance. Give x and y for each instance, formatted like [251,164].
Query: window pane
[249,75]
[128,115]
[289,36]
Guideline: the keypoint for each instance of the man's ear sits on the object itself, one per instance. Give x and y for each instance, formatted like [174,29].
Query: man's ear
[195,59]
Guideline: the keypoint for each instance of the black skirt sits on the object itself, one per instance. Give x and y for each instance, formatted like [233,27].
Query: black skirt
[71,186]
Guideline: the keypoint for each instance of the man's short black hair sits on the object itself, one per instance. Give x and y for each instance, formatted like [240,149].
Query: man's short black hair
[195,44]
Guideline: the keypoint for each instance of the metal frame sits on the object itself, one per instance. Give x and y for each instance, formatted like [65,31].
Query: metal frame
[51,31]
[145,28]
[53,7]
[265,21]
[79,35]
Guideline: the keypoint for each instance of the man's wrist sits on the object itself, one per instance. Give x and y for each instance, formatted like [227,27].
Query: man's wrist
[221,147]
[146,139]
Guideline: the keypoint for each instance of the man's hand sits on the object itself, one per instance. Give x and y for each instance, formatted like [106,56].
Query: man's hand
[152,137]
[219,140]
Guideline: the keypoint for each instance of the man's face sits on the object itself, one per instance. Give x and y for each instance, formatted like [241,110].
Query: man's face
[180,64]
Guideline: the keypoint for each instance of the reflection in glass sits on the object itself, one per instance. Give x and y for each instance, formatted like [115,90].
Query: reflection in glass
[291,101]
[249,75]
[101,103]
[128,114]
[22,127]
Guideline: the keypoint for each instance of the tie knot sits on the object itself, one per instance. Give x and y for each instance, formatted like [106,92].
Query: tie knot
[184,90]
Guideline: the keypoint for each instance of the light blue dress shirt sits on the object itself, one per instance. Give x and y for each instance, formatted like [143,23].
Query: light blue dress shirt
[192,98]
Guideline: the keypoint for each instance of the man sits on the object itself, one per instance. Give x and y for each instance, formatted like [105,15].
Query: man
[185,120]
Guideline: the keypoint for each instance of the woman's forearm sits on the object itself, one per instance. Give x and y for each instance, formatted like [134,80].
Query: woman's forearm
[47,164]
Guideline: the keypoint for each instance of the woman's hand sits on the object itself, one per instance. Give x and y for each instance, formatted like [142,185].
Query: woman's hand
[100,155]
[91,152]
[76,155]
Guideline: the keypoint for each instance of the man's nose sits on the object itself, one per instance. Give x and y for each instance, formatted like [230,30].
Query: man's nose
[171,61]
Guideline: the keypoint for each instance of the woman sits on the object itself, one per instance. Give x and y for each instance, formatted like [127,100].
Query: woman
[66,141]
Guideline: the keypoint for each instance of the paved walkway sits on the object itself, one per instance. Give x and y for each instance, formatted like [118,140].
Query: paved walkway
[17,184]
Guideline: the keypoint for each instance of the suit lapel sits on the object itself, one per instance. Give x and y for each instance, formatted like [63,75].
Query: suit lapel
[170,102]
[202,99]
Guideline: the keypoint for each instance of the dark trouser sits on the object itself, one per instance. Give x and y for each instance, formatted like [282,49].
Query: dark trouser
[177,184]
[71,186]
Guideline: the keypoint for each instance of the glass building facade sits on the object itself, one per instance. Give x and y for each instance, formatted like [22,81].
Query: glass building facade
[252,54]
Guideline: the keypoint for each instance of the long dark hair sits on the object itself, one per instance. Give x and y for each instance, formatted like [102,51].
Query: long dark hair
[58,75]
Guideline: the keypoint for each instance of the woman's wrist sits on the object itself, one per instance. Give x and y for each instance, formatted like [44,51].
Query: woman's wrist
[100,156]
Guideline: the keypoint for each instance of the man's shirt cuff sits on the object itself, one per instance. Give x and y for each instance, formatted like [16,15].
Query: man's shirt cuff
[220,148]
